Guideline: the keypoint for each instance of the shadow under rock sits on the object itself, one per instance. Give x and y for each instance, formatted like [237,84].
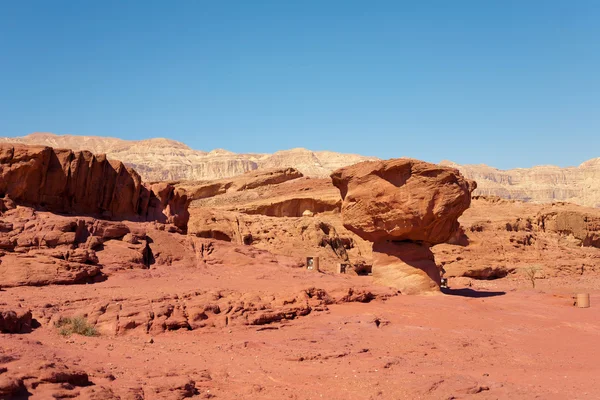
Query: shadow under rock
[466,292]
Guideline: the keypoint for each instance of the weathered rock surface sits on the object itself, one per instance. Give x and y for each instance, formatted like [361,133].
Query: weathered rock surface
[48,379]
[197,190]
[15,321]
[81,183]
[298,216]
[40,248]
[40,375]
[402,199]
[287,199]
[407,266]
[505,237]
[207,309]
[404,206]
[566,219]
[319,236]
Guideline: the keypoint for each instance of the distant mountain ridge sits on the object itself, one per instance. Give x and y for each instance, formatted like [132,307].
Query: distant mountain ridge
[168,160]
[539,184]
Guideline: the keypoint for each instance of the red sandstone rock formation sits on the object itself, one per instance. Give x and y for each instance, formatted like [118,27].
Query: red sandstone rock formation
[404,206]
[581,223]
[15,321]
[82,183]
[507,236]
[279,211]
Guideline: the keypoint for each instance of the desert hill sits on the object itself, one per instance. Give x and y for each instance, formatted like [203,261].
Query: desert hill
[540,184]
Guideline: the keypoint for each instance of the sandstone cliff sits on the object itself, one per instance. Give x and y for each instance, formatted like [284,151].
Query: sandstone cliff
[81,183]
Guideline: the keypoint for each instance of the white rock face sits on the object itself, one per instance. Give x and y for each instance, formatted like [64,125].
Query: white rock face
[540,184]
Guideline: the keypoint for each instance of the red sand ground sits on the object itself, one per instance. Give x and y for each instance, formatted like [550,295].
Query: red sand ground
[496,340]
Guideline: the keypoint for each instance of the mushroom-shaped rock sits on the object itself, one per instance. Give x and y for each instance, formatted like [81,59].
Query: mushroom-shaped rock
[404,206]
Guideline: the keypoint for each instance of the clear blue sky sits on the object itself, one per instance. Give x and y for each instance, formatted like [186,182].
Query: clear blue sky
[507,83]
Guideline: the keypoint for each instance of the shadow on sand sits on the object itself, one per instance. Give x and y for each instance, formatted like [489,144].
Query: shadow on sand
[466,292]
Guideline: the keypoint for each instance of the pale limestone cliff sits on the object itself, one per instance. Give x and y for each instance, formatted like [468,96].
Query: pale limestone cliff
[540,184]
[164,159]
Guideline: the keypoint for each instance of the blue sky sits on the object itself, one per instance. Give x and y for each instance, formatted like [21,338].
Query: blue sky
[506,83]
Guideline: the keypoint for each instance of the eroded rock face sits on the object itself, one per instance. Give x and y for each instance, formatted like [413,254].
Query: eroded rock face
[321,236]
[39,248]
[407,266]
[82,183]
[15,321]
[582,224]
[508,236]
[404,206]
[198,310]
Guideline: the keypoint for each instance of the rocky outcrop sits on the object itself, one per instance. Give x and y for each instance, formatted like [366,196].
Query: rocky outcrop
[506,237]
[319,236]
[82,183]
[49,379]
[404,206]
[39,248]
[278,211]
[15,321]
[287,198]
[197,190]
[169,160]
[540,184]
[37,374]
[583,225]
[209,309]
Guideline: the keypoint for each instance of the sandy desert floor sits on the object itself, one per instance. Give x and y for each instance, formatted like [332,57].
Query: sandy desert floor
[494,340]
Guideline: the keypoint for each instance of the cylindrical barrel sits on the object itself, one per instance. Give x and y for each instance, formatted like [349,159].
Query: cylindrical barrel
[583,300]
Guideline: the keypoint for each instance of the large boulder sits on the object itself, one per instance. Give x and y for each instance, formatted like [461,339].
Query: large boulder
[403,206]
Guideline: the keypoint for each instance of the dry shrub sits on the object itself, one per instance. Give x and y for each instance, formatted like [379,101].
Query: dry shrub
[78,325]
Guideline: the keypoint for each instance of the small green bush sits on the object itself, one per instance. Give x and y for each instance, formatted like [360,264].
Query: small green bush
[79,325]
